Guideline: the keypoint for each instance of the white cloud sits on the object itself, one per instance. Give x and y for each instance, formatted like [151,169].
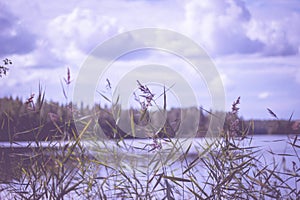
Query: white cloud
[71,36]
[233,26]
[263,95]
[255,44]
[220,26]
[277,35]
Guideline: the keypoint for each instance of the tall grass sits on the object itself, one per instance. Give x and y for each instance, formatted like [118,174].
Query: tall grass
[227,168]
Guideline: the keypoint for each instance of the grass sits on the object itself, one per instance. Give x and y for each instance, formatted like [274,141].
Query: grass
[229,167]
[225,169]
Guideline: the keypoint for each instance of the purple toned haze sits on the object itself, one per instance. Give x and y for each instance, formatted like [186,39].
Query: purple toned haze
[254,44]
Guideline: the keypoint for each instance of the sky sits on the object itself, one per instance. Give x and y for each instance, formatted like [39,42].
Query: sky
[254,45]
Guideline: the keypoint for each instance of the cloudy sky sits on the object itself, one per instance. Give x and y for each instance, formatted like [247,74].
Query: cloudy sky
[255,45]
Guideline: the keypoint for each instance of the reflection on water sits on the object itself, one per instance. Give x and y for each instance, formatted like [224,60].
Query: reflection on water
[17,158]
[14,155]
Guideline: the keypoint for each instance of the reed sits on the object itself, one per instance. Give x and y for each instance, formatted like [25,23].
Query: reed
[230,167]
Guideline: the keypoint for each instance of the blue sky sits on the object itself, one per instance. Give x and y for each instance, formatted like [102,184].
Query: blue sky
[255,45]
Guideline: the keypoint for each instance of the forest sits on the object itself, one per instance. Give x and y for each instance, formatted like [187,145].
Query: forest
[38,119]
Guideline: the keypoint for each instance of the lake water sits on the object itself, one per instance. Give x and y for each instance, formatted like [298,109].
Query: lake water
[137,154]
[274,151]
[269,146]
[274,148]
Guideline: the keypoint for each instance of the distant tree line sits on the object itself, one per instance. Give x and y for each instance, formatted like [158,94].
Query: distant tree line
[40,120]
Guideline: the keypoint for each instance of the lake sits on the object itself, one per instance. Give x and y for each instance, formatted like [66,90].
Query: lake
[147,161]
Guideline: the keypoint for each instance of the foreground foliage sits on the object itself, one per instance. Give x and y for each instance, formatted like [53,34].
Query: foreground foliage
[63,166]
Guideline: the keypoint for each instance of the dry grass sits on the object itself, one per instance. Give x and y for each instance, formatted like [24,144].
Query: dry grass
[227,168]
